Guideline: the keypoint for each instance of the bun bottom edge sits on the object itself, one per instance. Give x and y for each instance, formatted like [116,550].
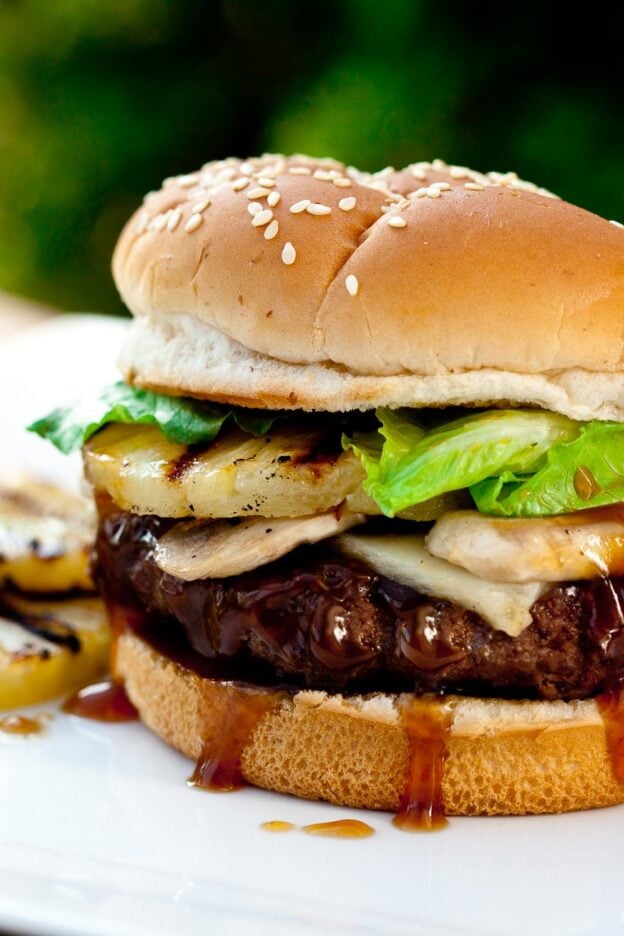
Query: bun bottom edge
[504,757]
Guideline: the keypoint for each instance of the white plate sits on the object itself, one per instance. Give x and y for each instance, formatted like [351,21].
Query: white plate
[100,835]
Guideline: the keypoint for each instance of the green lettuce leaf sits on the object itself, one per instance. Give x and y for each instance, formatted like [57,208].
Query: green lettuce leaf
[181,419]
[586,472]
[415,465]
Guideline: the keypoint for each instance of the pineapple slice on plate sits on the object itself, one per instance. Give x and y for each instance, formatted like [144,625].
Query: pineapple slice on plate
[45,537]
[49,648]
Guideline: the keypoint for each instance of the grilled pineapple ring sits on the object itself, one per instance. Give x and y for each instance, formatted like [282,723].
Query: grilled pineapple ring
[48,648]
[292,472]
[45,537]
[287,473]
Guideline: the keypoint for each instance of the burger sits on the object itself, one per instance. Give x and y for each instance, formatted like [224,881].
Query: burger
[361,490]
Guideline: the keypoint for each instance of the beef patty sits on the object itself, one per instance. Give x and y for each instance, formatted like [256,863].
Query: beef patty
[322,621]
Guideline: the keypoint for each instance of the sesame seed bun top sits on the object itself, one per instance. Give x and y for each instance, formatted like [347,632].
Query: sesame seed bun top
[292,282]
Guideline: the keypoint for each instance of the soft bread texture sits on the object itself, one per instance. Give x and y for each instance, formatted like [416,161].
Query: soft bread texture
[505,758]
[492,291]
[183,355]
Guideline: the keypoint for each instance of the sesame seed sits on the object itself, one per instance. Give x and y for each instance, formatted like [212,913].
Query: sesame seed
[420,193]
[342,182]
[254,208]
[271,230]
[300,170]
[199,192]
[262,218]
[273,199]
[459,172]
[266,181]
[289,254]
[185,181]
[433,192]
[200,206]
[239,184]
[418,173]
[352,284]
[617,224]
[397,222]
[315,209]
[442,186]
[142,222]
[522,184]
[300,206]
[347,204]
[257,192]
[245,169]
[474,186]
[323,175]
[226,174]
[503,178]
[193,223]
[439,165]
[158,222]
[174,219]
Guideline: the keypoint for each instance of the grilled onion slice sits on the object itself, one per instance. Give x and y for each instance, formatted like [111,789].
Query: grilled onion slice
[582,545]
[197,549]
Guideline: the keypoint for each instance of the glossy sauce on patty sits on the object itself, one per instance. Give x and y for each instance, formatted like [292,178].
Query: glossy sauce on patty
[320,620]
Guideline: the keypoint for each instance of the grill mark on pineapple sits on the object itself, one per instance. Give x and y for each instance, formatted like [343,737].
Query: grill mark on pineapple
[177,468]
[319,454]
[31,504]
[318,458]
[45,626]
[20,499]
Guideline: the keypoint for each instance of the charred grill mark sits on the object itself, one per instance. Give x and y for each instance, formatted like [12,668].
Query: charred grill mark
[318,458]
[179,467]
[45,626]
[20,499]
[38,551]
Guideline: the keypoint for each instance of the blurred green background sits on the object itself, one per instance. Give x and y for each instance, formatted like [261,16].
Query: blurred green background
[101,99]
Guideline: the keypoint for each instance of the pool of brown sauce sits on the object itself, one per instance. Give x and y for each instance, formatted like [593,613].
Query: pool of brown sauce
[104,701]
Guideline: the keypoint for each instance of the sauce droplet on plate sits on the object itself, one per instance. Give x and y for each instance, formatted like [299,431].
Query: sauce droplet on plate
[340,828]
[277,825]
[104,701]
[427,724]
[20,725]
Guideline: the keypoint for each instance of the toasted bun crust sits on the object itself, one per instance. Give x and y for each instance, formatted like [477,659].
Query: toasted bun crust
[492,290]
[505,758]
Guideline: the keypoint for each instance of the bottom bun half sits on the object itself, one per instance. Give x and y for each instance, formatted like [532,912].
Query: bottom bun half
[504,757]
